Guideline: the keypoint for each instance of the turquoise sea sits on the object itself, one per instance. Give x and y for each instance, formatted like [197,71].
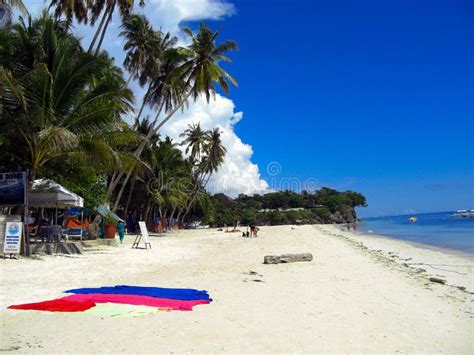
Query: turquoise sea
[433,229]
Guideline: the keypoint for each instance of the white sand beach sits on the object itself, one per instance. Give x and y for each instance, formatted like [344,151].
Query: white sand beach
[355,296]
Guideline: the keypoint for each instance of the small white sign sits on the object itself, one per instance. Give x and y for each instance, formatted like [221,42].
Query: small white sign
[12,241]
[144,231]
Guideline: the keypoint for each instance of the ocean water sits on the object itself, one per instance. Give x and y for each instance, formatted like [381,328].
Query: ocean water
[434,229]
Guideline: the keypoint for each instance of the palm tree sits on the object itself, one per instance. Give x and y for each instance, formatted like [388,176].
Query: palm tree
[85,10]
[149,54]
[157,66]
[6,9]
[196,72]
[194,140]
[169,180]
[141,127]
[214,150]
[63,100]
[213,153]
[142,47]
[76,9]
[201,71]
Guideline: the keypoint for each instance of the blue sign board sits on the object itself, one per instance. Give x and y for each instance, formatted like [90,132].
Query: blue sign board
[13,189]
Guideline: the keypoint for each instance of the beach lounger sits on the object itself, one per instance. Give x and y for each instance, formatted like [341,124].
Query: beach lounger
[73,233]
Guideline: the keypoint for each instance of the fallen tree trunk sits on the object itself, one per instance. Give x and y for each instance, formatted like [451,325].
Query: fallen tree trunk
[287,258]
[437,280]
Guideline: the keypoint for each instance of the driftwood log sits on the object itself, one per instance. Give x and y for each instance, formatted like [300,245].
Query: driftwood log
[287,258]
[437,280]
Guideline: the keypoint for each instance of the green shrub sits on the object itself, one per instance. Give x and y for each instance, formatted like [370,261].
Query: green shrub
[109,219]
[321,211]
[275,217]
[249,217]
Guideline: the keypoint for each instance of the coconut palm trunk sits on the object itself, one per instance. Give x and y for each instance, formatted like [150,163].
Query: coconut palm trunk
[142,146]
[178,216]
[142,107]
[190,200]
[147,211]
[101,24]
[194,198]
[172,216]
[109,19]
[130,193]
[194,194]
[117,176]
[137,154]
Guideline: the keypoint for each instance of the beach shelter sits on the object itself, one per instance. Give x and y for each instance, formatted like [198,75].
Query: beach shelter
[47,193]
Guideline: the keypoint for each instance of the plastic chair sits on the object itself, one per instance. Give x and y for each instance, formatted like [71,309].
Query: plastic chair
[55,233]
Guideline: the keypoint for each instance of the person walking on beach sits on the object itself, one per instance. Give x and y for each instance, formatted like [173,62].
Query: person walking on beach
[121,230]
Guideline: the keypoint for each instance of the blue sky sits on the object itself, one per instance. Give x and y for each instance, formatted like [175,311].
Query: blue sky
[372,96]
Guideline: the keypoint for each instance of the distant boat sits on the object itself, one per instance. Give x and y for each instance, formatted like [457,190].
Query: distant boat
[463,214]
[412,219]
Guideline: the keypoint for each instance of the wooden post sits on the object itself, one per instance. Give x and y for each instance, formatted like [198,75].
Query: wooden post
[26,232]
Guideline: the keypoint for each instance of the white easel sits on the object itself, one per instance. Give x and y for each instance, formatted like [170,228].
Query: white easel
[144,234]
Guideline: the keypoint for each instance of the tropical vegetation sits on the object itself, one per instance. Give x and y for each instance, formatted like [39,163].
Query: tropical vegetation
[288,207]
[64,110]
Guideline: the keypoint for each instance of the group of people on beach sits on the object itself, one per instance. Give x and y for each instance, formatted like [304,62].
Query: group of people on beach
[251,232]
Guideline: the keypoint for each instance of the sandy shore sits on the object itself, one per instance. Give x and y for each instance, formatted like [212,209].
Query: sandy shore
[355,296]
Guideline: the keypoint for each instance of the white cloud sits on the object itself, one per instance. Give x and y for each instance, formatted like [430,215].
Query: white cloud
[237,174]
[169,14]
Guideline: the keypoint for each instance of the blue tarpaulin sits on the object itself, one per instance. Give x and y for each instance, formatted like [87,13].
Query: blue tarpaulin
[103,210]
[170,293]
